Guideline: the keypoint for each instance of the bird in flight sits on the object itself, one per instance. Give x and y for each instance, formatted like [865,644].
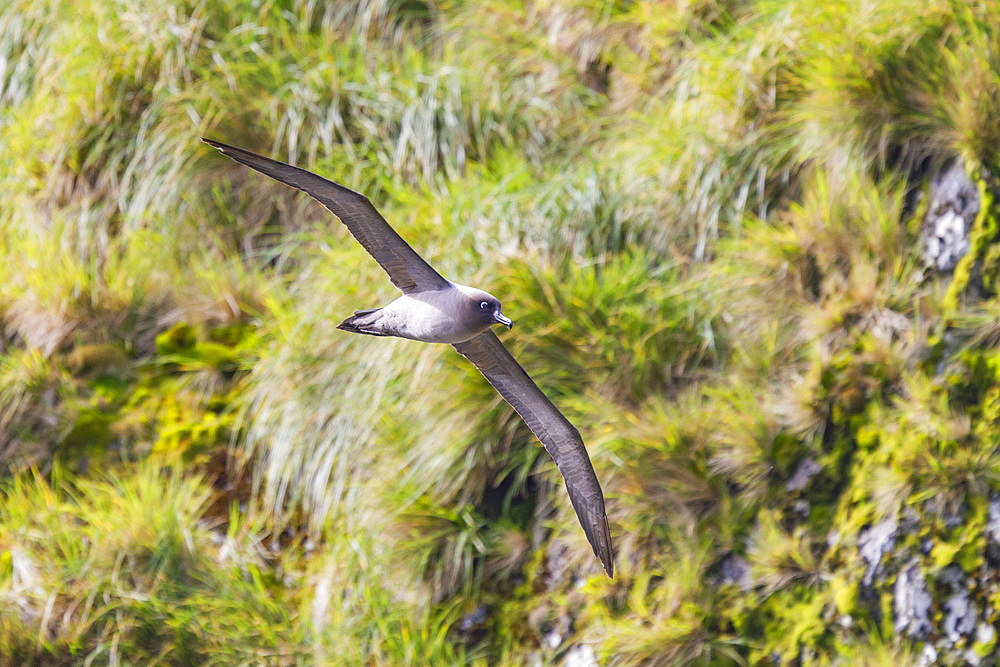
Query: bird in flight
[435,310]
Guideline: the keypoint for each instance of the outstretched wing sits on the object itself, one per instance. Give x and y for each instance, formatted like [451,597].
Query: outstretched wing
[561,439]
[407,270]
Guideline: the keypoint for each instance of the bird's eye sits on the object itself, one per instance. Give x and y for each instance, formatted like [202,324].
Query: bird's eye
[484,304]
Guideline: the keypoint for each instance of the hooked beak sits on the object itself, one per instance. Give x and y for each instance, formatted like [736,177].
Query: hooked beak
[506,321]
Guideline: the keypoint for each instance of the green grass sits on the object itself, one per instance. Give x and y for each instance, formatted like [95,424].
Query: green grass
[704,220]
[120,567]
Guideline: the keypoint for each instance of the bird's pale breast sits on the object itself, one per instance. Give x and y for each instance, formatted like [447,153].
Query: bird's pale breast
[434,317]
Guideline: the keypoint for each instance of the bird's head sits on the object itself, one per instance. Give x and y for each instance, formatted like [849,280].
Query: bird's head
[486,309]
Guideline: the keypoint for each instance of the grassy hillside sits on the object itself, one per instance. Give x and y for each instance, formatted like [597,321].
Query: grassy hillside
[705,219]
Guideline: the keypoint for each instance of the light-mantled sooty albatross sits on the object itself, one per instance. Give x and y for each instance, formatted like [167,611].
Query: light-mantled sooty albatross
[436,310]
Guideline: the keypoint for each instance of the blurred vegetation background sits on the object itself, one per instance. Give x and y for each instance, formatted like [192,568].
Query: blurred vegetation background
[704,216]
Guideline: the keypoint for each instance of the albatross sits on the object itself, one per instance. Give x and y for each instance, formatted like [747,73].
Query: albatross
[433,309]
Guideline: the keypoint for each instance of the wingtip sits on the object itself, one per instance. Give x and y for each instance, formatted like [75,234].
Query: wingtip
[607,564]
[607,556]
[599,535]
[213,143]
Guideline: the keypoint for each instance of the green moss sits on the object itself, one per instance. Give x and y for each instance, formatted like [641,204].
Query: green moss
[185,348]
[90,431]
[178,338]
[192,433]
[789,622]
[981,257]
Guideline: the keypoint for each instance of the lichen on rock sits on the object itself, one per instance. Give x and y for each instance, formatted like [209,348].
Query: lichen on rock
[912,602]
[951,212]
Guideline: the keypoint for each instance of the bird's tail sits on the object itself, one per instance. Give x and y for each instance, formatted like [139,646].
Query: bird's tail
[363,322]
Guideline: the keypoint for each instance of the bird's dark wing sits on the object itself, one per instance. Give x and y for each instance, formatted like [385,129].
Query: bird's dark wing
[561,439]
[407,270]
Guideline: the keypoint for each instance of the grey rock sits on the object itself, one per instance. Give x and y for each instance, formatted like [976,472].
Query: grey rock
[561,628]
[960,611]
[928,656]
[475,620]
[26,584]
[873,544]
[952,576]
[955,518]
[556,566]
[807,468]
[948,241]
[581,655]
[954,204]
[801,507]
[909,521]
[960,616]
[985,633]
[832,537]
[912,602]
[993,521]
[735,570]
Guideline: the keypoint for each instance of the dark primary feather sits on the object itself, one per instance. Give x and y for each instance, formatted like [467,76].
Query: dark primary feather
[561,439]
[407,270]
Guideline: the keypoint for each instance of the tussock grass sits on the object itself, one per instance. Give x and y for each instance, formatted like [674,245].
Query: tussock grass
[28,383]
[571,309]
[363,606]
[667,624]
[117,569]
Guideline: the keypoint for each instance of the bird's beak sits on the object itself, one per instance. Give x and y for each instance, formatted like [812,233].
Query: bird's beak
[506,321]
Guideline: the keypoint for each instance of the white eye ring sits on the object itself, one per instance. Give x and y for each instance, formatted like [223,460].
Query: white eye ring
[484,304]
